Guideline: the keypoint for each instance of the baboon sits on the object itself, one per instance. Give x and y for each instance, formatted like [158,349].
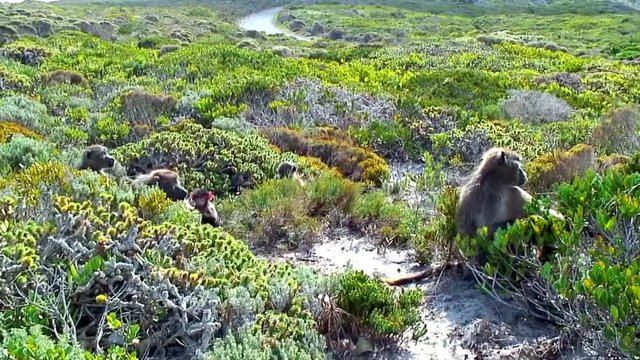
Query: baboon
[287,169]
[167,180]
[493,196]
[96,158]
[202,200]
[239,180]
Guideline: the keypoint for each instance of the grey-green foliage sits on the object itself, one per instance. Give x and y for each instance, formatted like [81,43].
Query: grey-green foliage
[22,152]
[233,124]
[248,345]
[22,110]
[87,183]
[536,107]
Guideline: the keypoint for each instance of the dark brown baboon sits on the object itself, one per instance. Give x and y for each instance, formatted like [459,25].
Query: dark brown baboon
[203,202]
[287,169]
[493,196]
[96,158]
[167,180]
[239,180]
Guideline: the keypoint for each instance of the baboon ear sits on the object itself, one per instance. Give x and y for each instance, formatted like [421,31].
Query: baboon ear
[211,196]
[88,154]
[502,158]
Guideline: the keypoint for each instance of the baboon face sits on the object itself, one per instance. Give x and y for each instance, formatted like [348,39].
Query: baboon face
[169,182]
[201,198]
[510,169]
[97,157]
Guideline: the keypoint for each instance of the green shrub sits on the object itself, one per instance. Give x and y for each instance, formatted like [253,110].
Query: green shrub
[335,150]
[22,152]
[380,312]
[199,162]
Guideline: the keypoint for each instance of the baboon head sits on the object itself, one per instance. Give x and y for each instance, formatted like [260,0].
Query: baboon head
[287,169]
[503,166]
[169,182]
[239,180]
[96,158]
[201,198]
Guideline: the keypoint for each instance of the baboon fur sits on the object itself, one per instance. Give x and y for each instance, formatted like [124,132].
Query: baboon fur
[287,169]
[492,195]
[96,158]
[167,180]
[202,200]
[239,180]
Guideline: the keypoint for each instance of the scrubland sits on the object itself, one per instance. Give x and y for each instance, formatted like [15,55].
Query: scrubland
[92,267]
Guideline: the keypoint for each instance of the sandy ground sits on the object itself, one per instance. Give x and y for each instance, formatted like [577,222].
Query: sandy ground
[462,321]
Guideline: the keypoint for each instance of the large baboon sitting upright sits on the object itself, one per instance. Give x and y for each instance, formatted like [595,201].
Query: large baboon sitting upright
[492,196]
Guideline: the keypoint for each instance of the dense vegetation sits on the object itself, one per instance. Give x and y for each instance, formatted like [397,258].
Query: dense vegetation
[95,268]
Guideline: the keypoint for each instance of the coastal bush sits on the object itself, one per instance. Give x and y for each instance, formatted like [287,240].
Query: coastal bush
[560,166]
[619,131]
[199,163]
[9,129]
[334,149]
[536,107]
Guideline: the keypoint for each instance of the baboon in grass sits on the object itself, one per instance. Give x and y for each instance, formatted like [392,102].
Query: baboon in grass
[239,180]
[493,197]
[96,158]
[167,180]
[287,169]
[202,200]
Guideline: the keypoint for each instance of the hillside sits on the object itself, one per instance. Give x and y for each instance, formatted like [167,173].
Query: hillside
[385,107]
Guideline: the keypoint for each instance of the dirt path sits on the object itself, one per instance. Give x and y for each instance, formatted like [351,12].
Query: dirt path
[462,321]
[265,21]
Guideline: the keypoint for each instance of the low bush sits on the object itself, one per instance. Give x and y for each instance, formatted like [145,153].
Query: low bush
[22,152]
[560,166]
[619,131]
[8,129]
[394,222]
[65,77]
[199,162]
[334,149]
[379,312]
[144,108]
[536,107]
[607,162]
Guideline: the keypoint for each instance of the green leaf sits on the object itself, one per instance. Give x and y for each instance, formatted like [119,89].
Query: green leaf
[546,271]
[614,312]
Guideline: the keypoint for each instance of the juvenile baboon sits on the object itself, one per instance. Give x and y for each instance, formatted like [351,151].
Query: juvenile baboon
[493,196]
[96,158]
[239,180]
[287,169]
[202,200]
[167,180]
